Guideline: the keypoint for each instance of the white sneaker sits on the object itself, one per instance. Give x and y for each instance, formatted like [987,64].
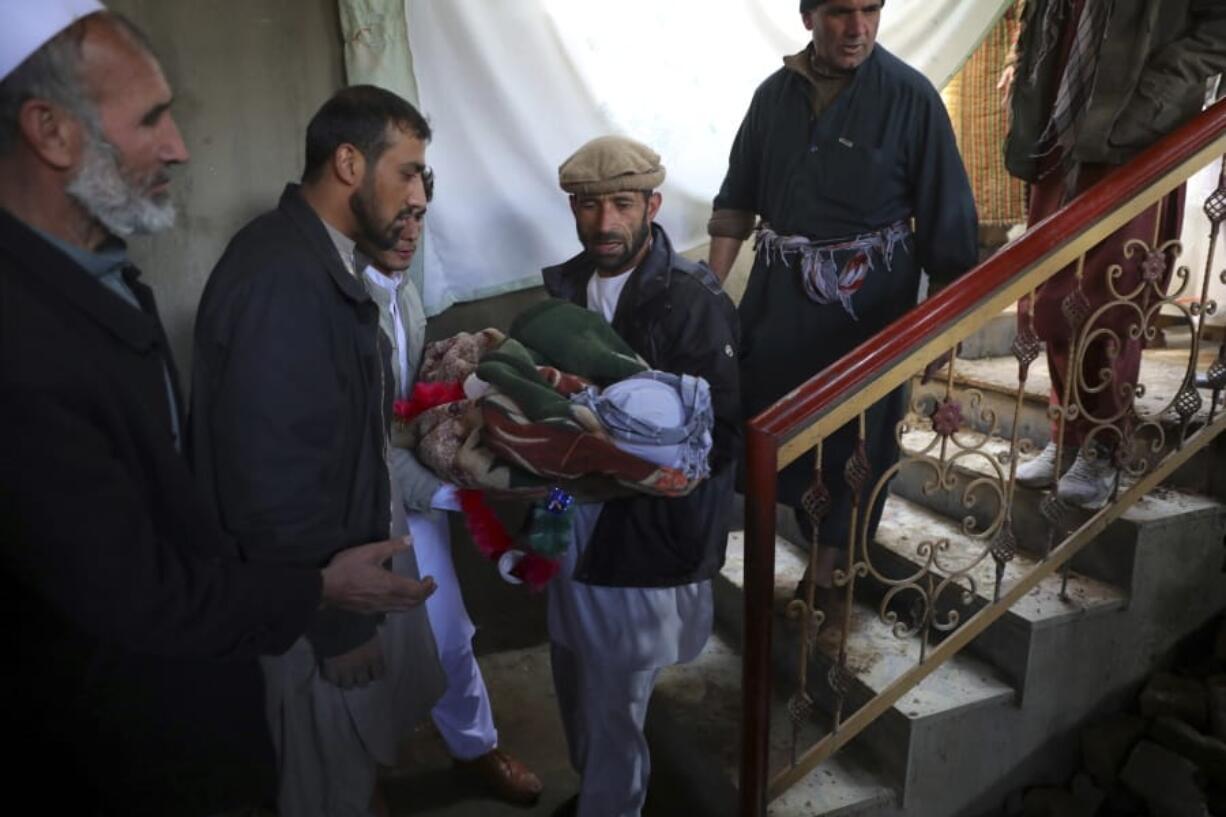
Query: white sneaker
[1039,472]
[1089,482]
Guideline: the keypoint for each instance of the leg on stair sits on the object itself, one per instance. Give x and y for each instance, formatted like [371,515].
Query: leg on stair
[603,710]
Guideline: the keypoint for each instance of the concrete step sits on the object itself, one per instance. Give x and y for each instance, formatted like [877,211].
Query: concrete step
[1075,667]
[917,545]
[694,730]
[987,389]
[1111,558]
[945,706]
[994,339]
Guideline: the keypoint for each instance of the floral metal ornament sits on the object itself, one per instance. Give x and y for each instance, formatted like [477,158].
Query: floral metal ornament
[1153,268]
[947,417]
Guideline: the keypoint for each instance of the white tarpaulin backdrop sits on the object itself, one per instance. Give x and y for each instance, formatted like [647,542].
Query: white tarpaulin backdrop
[512,87]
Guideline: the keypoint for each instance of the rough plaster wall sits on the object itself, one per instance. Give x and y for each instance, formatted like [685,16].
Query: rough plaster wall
[247,76]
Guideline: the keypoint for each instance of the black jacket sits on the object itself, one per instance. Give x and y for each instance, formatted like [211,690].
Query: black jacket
[291,399]
[131,629]
[674,314]
[1150,79]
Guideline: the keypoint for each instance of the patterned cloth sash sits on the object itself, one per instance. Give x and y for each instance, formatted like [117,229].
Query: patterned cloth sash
[826,280]
[1077,81]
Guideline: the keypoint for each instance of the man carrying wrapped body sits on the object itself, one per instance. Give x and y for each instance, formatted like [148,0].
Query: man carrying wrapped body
[619,404]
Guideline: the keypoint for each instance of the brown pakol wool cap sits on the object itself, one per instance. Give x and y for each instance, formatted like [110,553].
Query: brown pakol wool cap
[611,164]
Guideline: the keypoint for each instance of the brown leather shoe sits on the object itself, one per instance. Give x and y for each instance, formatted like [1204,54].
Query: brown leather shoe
[505,777]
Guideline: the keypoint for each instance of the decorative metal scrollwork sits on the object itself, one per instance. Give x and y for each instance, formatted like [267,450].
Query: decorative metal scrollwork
[947,418]
[1076,309]
[815,501]
[1004,544]
[1215,207]
[1026,348]
[840,680]
[1117,402]
[1188,402]
[857,470]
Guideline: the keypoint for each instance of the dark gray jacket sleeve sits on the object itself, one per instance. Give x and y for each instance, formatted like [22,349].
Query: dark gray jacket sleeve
[1172,83]
[76,523]
[270,416]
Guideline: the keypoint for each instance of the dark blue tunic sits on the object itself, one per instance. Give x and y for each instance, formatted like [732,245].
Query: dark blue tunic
[882,152]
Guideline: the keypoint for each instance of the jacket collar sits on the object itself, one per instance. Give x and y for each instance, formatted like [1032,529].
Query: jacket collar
[311,226]
[570,278]
[823,86]
[42,263]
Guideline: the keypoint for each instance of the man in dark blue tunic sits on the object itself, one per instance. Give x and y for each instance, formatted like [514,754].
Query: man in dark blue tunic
[847,156]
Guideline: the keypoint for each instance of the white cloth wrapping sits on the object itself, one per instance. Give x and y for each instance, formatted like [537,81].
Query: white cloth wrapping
[660,417]
[463,715]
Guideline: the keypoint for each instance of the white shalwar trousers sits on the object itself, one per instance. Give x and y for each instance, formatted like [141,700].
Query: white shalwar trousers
[329,740]
[463,714]
[607,646]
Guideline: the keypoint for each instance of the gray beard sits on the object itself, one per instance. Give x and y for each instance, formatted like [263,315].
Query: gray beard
[100,187]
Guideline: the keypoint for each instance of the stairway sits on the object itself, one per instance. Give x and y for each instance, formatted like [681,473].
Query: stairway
[1000,714]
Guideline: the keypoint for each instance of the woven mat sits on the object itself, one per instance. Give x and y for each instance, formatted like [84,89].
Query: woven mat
[979,122]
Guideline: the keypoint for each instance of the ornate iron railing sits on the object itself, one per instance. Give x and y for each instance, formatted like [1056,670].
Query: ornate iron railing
[972,452]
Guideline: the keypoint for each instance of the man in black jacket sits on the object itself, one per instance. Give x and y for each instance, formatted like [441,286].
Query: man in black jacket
[133,629]
[290,411]
[634,594]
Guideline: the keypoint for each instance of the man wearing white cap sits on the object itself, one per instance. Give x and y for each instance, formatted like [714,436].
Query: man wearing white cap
[130,670]
[634,591]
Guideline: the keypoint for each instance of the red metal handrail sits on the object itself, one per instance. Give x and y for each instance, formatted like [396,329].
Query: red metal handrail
[839,381]
[926,320]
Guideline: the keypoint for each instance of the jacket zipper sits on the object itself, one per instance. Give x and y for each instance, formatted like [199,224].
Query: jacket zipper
[383,421]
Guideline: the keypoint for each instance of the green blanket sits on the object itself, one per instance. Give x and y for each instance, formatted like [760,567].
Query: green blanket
[511,370]
[576,340]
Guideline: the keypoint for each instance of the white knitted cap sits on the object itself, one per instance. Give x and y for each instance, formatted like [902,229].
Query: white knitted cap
[29,24]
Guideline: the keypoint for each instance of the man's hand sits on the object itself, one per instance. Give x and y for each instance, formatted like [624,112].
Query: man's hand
[356,580]
[356,668]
